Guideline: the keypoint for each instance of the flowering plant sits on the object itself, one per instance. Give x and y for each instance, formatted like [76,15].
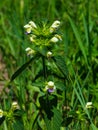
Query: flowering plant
[51,74]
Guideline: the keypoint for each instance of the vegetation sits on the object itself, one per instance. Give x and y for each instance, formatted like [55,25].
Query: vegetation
[48,65]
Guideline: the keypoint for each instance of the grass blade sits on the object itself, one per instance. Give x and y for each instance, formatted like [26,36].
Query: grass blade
[77,35]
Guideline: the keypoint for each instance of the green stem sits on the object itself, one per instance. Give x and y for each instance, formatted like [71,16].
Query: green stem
[44,68]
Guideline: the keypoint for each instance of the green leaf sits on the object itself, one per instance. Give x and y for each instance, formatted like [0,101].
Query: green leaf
[67,121]
[93,127]
[57,119]
[60,85]
[21,69]
[61,65]
[47,122]
[18,125]
[47,102]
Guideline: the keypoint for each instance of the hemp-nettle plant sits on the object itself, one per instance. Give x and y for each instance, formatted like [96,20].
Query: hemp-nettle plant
[44,39]
[47,78]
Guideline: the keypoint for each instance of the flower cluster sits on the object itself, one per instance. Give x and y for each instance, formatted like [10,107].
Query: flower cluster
[9,114]
[42,36]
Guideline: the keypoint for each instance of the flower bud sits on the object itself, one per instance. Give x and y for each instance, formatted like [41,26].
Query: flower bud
[1,113]
[33,25]
[49,54]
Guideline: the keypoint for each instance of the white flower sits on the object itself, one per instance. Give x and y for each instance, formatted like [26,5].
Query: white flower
[29,51]
[50,87]
[1,113]
[33,25]
[56,38]
[28,28]
[89,105]
[50,84]
[54,26]
[15,105]
[49,54]
[32,38]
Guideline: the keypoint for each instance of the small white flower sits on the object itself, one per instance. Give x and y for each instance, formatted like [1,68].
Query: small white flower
[28,28]
[1,113]
[15,105]
[54,26]
[29,51]
[33,25]
[32,38]
[89,105]
[50,84]
[49,54]
[50,87]
[56,38]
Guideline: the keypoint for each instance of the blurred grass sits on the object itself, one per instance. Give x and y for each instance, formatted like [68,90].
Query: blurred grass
[80,34]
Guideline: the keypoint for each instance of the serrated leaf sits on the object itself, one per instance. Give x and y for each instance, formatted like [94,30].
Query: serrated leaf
[21,69]
[18,113]
[61,65]
[47,102]
[60,85]
[67,121]
[57,119]
[18,125]
[47,122]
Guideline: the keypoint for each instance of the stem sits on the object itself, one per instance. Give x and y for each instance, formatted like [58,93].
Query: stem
[44,68]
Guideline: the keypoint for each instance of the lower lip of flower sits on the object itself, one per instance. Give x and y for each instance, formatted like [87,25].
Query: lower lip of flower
[50,90]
